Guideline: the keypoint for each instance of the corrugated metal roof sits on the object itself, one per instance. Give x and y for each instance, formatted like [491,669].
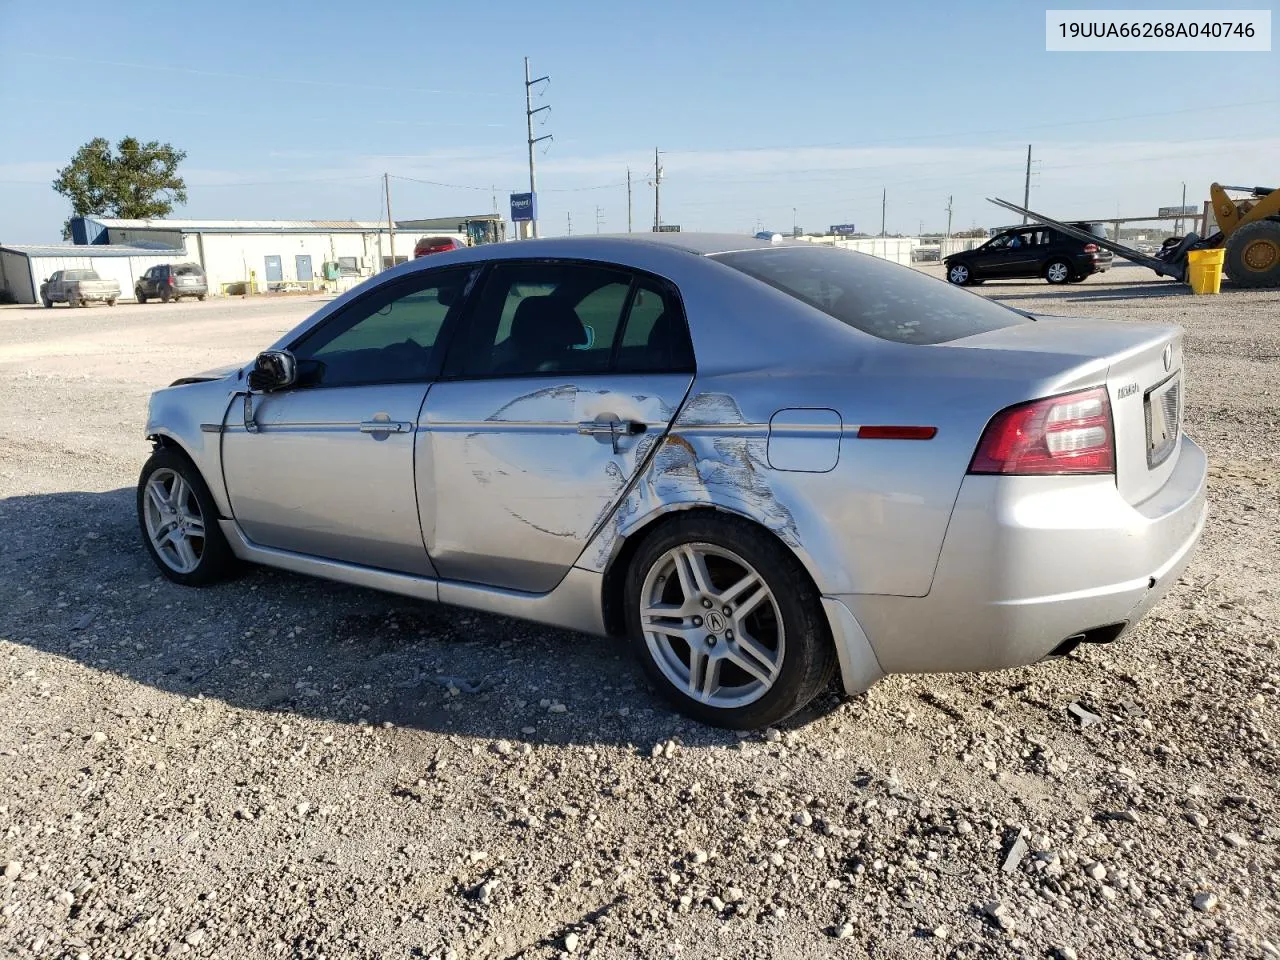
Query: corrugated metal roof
[79,250]
[242,226]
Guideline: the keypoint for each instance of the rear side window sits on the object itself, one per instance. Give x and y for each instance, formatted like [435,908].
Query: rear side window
[552,318]
[872,295]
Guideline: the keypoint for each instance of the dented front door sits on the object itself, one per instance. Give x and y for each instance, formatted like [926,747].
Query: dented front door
[514,475]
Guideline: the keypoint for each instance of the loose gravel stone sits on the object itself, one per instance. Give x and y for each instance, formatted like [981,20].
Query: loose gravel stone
[1205,901]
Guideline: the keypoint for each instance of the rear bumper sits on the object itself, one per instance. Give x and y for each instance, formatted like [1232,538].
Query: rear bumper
[1028,562]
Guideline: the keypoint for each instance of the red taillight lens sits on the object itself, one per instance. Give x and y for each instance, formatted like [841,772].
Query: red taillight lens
[1090,248]
[1067,434]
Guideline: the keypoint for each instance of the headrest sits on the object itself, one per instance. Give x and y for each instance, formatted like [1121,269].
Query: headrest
[543,323]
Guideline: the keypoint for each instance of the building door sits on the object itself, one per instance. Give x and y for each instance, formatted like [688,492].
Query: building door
[274,272]
[302,263]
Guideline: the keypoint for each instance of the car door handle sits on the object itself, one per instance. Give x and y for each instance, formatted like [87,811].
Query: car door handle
[611,427]
[385,426]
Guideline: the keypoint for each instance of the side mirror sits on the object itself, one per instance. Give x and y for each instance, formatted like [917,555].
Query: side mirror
[273,370]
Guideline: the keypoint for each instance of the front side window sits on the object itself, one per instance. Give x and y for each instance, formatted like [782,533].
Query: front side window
[555,318]
[874,296]
[388,336]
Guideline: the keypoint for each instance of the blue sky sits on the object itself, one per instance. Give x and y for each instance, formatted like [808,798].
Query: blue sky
[295,110]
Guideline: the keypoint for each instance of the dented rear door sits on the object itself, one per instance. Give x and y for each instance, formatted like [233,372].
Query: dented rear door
[514,475]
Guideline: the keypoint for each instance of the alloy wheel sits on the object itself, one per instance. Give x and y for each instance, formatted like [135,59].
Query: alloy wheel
[1058,272]
[712,625]
[959,274]
[174,523]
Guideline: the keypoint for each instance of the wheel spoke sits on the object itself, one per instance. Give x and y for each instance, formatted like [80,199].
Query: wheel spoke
[195,526]
[753,658]
[748,606]
[710,679]
[685,632]
[698,666]
[691,568]
[738,589]
[156,495]
[178,494]
[186,552]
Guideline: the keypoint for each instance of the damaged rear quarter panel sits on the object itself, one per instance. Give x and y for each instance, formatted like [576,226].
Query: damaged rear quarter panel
[873,524]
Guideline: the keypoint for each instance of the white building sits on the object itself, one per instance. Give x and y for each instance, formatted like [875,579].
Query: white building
[266,254]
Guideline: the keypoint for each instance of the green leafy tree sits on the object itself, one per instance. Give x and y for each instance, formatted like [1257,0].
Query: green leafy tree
[136,180]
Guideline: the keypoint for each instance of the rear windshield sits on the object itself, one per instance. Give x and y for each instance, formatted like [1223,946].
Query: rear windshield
[80,275]
[188,270]
[875,296]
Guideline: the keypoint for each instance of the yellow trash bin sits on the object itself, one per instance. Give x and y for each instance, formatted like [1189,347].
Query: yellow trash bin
[1204,270]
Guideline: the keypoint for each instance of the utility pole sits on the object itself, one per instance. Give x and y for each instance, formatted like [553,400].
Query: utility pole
[628,199]
[1184,204]
[391,231]
[568,217]
[599,219]
[793,222]
[948,237]
[1026,190]
[884,200]
[657,189]
[529,112]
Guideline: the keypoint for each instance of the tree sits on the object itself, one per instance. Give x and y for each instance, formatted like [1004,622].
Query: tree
[138,180]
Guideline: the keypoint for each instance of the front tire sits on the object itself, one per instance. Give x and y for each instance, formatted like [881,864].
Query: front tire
[726,622]
[1057,272]
[140,296]
[960,274]
[178,520]
[1252,256]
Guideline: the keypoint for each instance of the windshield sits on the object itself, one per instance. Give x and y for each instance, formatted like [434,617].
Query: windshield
[875,296]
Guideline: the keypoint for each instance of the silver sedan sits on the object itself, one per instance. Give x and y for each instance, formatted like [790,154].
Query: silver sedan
[763,463]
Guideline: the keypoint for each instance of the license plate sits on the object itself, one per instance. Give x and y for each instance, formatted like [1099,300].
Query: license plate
[1164,412]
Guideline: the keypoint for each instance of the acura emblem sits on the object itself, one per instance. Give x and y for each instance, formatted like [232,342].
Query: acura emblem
[1168,358]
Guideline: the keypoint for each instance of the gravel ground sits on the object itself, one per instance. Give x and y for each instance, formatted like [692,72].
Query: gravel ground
[281,767]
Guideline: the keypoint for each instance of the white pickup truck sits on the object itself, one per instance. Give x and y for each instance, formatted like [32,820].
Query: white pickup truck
[75,288]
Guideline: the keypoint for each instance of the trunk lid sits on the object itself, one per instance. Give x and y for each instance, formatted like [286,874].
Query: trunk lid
[1141,366]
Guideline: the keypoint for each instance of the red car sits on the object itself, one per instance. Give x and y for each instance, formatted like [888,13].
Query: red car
[436,245]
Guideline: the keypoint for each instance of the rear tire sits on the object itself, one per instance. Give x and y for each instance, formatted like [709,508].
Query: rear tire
[1057,271]
[741,660]
[178,520]
[165,296]
[200,297]
[111,302]
[1252,256]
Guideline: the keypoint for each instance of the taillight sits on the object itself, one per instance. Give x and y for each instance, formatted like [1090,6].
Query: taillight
[1067,434]
[1090,248]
